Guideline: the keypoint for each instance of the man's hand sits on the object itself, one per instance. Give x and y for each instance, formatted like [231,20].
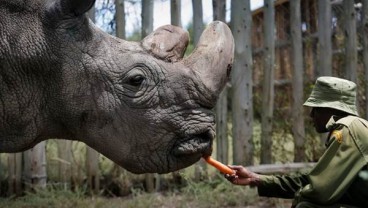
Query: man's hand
[242,176]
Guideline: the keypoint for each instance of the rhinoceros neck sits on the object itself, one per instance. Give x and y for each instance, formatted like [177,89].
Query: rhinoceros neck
[20,103]
[26,81]
[24,86]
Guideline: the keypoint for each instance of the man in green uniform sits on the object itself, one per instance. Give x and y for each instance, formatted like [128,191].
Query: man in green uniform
[340,177]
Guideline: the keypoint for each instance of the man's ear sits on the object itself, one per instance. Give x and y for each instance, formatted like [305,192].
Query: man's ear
[70,7]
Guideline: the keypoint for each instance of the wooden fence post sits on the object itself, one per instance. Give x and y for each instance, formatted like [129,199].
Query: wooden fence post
[268,81]
[365,49]
[93,175]
[65,160]
[35,175]
[351,53]
[242,83]
[324,39]
[297,82]
[149,181]
[15,174]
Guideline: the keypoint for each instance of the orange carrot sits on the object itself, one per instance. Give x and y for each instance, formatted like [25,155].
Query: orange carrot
[219,166]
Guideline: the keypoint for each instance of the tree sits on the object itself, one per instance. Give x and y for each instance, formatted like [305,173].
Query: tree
[297,82]
[241,81]
[268,81]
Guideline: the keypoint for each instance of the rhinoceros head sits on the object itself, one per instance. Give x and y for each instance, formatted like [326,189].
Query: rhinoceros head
[141,104]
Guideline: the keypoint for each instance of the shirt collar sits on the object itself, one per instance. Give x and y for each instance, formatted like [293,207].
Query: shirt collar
[331,124]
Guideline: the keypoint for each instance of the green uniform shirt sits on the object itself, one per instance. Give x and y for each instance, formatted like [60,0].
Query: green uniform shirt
[341,174]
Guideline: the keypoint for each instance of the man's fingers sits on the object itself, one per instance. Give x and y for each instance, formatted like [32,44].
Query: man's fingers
[236,167]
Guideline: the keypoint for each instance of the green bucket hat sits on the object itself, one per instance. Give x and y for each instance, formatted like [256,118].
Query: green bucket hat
[336,93]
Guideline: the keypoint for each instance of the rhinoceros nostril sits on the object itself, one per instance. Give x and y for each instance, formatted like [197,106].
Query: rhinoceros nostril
[206,136]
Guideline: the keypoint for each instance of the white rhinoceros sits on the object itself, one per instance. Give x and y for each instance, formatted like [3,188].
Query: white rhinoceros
[141,104]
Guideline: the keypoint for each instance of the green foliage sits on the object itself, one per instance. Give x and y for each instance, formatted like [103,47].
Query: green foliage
[282,147]
[211,192]
[49,197]
[218,192]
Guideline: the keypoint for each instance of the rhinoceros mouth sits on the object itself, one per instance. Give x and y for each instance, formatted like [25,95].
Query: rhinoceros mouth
[200,144]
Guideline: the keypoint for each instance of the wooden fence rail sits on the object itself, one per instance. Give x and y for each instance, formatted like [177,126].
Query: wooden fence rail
[280,168]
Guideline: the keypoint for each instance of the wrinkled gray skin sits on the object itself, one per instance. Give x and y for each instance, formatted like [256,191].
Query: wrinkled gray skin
[139,103]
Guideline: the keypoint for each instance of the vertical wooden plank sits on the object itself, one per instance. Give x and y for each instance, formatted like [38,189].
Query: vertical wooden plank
[120,18]
[175,10]
[324,39]
[149,181]
[324,62]
[309,12]
[351,53]
[35,175]
[65,161]
[15,174]
[219,13]
[219,10]
[147,17]
[365,50]
[221,126]
[92,169]
[242,84]
[268,81]
[197,20]
[297,81]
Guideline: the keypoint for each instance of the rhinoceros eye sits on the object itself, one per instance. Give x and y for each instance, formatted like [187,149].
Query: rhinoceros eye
[136,80]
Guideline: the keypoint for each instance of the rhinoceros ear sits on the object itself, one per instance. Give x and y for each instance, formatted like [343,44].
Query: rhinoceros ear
[167,43]
[71,7]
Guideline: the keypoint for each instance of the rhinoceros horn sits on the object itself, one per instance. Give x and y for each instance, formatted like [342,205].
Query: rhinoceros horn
[212,58]
[167,43]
